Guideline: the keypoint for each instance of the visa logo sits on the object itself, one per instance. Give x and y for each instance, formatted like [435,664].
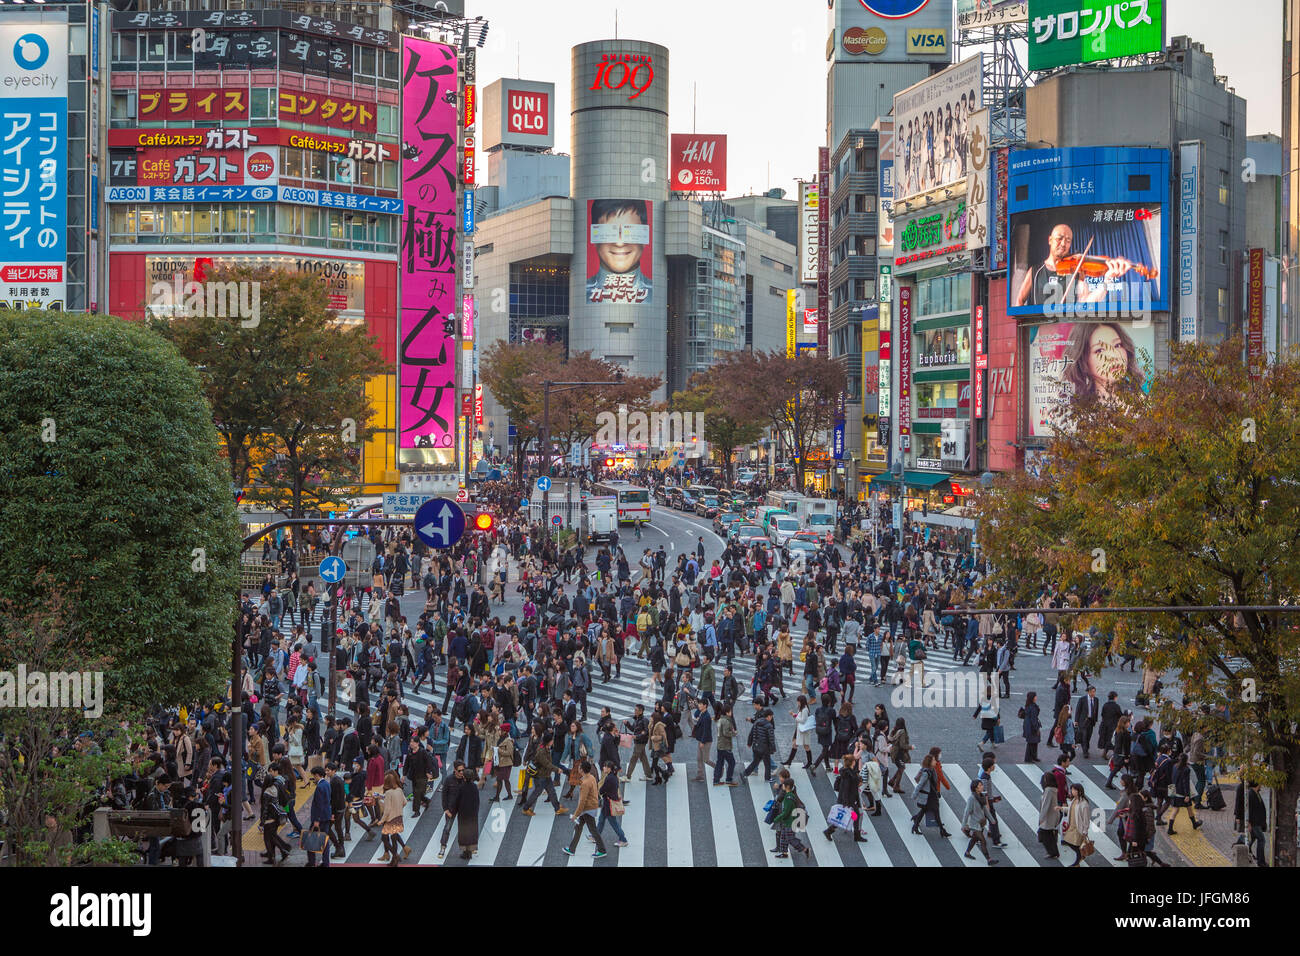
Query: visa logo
[928,42]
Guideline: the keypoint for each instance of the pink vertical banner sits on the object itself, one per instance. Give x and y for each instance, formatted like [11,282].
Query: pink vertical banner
[427,357]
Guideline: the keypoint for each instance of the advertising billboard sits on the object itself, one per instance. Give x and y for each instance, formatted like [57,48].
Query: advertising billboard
[932,125]
[1063,32]
[1189,220]
[823,245]
[620,262]
[1255,313]
[791,323]
[34,130]
[344,279]
[1088,232]
[193,167]
[973,14]
[427,257]
[905,364]
[889,31]
[978,197]
[320,109]
[699,163]
[1068,360]
[518,113]
[809,199]
[206,104]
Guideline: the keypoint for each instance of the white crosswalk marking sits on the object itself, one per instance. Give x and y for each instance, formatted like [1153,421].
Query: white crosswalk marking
[633,822]
[760,793]
[678,829]
[823,852]
[726,839]
[899,813]
[1014,852]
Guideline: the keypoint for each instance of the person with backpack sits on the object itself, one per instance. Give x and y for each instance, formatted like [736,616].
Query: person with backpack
[1160,780]
[791,808]
[762,743]
[974,821]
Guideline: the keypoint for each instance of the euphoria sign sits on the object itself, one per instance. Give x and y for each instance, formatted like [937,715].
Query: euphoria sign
[633,72]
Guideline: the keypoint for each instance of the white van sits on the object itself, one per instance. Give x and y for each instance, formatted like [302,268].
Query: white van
[764,514]
[782,527]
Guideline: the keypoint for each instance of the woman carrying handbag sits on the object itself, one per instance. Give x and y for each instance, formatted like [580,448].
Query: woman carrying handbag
[391,824]
[1078,817]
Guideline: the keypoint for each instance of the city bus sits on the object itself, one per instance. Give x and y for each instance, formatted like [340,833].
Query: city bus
[633,500]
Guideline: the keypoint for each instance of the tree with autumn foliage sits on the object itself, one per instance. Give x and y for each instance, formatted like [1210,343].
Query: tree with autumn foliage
[1184,496]
[288,392]
[722,429]
[798,397]
[516,375]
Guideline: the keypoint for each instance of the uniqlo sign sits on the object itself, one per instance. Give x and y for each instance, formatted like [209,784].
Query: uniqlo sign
[528,112]
[34,134]
[699,163]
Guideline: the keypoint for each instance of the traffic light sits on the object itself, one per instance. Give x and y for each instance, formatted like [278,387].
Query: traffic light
[483,521]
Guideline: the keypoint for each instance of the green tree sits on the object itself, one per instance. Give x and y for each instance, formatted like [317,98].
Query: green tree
[288,392]
[722,430]
[1187,496]
[51,789]
[506,370]
[798,397]
[114,488]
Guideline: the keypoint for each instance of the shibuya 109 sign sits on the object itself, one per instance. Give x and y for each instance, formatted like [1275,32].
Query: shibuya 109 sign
[633,72]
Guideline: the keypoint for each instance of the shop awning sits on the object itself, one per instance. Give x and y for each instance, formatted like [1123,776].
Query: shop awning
[925,479]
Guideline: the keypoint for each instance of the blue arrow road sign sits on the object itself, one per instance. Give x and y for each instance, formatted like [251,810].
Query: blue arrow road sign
[544,483]
[332,569]
[440,523]
[523,503]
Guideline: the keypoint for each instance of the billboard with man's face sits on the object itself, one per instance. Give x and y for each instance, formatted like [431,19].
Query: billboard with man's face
[620,260]
[1088,232]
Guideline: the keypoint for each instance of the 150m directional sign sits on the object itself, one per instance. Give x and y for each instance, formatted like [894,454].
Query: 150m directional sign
[440,523]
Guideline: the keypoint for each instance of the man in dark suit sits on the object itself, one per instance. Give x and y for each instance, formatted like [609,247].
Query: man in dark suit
[322,813]
[1111,712]
[338,808]
[1085,719]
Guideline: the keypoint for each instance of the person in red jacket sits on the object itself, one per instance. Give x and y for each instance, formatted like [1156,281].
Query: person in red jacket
[1062,781]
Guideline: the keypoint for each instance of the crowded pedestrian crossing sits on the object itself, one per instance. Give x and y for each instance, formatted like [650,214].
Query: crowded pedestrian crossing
[689,823]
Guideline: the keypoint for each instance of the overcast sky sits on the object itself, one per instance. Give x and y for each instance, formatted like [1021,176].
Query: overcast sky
[760,71]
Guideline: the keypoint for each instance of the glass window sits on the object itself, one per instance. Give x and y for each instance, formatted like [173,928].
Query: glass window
[311,221]
[207,223]
[292,163]
[261,103]
[150,220]
[155,47]
[124,47]
[315,165]
[366,173]
[121,105]
[180,222]
[121,220]
[386,119]
[261,222]
[388,175]
[365,63]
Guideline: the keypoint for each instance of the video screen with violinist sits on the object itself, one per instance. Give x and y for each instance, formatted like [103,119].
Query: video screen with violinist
[1104,259]
[1088,233]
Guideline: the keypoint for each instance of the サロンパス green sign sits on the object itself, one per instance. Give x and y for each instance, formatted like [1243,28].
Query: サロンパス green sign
[1063,32]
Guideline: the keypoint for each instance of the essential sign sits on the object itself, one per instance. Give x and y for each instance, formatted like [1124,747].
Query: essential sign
[1064,32]
[1189,216]
[439,523]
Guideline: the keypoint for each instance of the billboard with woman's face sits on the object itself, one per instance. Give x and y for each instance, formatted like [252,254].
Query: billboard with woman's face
[620,258]
[1068,360]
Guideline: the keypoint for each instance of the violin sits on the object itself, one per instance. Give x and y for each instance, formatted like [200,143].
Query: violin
[1094,267]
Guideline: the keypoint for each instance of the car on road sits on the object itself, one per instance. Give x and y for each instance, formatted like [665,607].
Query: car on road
[686,501]
[722,522]
[799,548]
[708,506]
[746,476]
[747,534]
